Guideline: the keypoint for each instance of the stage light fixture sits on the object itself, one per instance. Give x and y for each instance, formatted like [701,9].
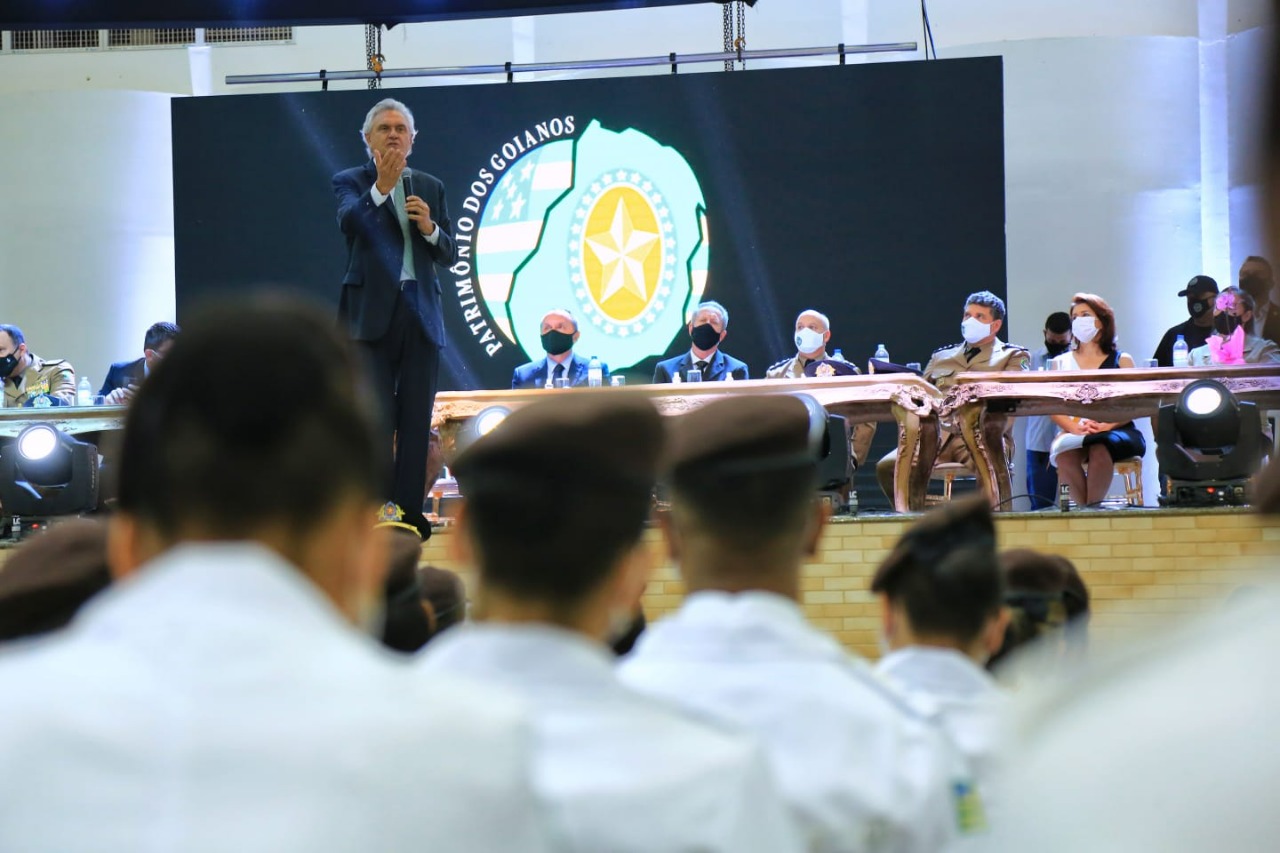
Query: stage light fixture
[1208,444]
[481,424]
[46,473]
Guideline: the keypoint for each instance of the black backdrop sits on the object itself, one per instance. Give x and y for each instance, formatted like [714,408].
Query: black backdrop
[874,193]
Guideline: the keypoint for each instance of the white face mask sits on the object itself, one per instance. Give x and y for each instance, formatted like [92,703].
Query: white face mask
[807,340]
[974,330]
[1084,329]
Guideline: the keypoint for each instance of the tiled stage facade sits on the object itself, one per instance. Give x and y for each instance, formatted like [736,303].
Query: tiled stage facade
[1142,566]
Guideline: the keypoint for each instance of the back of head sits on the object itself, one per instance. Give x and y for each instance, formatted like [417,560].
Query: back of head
[256,420]
[1044,594]
[559,491]
[444,591]
[49,577]
[944,572]
[158,334]
[743,470]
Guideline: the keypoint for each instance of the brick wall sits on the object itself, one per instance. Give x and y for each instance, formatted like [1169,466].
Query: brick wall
[1142,567]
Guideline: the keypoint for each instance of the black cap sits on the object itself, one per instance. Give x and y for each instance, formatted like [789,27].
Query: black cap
[592,442]
[1199,286]
[734,430]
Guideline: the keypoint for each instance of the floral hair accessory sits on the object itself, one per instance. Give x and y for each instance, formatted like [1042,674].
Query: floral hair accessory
[1226,302]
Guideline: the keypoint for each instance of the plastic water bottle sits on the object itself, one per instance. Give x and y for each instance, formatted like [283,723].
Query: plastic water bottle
[595,373]
[1180,352]
[84,392]
[838,355]
[882,354]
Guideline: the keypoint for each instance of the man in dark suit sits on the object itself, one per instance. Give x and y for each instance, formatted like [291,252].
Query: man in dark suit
[709,326]
[125,376]
[397,228]
[559,334]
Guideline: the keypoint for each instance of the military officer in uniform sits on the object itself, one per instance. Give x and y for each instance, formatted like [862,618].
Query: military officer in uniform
[27,375]
[981,351]
[813,331]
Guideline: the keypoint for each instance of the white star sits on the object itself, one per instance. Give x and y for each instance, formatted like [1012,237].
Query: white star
[656,198]
[647,186]
[608,328]
[664,291]
[576,229]
[608,179]
[581,213]
[622,174]
[669,276]
[497,208]
[658,305]
[517,206]
[512,186]
[667,226]
[622,252]
[663,213]
[526,171]
[597,321]
[573,262]
[623,332]
[637,328]
[595,187]
[580,293]
[651,317]
[576,279]
[635,177]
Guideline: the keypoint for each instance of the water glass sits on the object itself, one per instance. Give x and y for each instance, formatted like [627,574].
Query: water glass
[1151,362]
[562,382]
[616,381]
[694,375]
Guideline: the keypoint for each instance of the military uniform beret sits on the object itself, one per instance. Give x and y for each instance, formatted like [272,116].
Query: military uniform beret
[47,579]
[743,433]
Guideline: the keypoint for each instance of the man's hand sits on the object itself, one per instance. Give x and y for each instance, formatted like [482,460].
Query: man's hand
[420,212]
[389,167]
[120,396]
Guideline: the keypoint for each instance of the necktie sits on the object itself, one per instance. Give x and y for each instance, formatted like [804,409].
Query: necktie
[702,365]
[406,231]
[558,373]
[971,352]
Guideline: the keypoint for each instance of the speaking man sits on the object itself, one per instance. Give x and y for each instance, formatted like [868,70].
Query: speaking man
[397,228]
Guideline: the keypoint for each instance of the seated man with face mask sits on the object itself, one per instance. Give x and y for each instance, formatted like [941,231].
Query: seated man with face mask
[559,334]
[1233,341]
[813,332]
[1200,294]
[707,329]
[981,351]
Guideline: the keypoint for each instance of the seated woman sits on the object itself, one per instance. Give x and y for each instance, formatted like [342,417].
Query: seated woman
[1232,342]
[1085,452]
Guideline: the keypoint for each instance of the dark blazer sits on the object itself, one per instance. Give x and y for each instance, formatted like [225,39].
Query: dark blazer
[534,373]
[375,251]
[123,374]
[1271,328]
[721,365]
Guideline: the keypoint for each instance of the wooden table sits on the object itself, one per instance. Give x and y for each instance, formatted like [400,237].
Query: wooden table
[979,404]
[905,399]
[68,419]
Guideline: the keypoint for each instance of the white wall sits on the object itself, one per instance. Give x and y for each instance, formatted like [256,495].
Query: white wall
[86,223]
[1130,131]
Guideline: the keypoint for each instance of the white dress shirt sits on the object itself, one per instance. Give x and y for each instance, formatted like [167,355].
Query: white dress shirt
[218,702]
[860,768]
[621,771]
[962,698]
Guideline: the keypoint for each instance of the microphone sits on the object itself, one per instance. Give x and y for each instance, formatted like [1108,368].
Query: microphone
[406,182]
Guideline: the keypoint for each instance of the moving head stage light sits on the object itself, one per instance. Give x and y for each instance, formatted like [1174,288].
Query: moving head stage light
[46,473]
[1208,444]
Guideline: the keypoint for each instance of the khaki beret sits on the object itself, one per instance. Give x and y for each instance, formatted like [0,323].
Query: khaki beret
[47,578]
[580,442]
[743,432]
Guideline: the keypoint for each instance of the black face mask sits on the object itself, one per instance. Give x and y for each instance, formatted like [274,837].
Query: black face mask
[1055,349]
[705,336]
[7,364]
[1226,324]
[1197,307]
[556,342]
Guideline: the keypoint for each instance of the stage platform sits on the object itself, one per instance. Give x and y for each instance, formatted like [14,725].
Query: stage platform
[1142,566]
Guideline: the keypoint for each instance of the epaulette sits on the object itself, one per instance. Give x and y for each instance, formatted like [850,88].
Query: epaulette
[947,347]
[782,363]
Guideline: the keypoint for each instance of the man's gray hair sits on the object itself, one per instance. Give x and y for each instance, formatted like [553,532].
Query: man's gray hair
[566,312]
[987,299]
[826,323]
[379,108]
[712,306]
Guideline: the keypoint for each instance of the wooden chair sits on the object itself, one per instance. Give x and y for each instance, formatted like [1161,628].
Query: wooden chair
[1130,470]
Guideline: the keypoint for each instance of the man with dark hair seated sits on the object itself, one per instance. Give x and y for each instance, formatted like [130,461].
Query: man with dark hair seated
[859,768]
[124,377]
[557,497]
[942,612]
[221,696]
